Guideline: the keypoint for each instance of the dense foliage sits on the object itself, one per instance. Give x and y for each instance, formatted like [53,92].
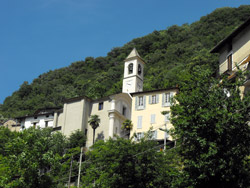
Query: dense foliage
[125,163]
[211,123]
[166,52]
[37,157]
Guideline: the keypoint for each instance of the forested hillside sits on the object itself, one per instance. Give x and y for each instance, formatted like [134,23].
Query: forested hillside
[166,53]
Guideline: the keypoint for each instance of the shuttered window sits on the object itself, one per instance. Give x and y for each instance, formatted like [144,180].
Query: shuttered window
[152,118]
[167,117]
[139,122]
[140,102]
[167,98]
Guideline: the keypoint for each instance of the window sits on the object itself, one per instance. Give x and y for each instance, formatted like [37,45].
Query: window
[154,134]
[152,118]
[167,99]
[124,110]
[139,69]
[46,123]
[153,99]
[47,115]
[100,106]
[130,68]
[139,122]
[229,62]
[167,117]
[140,101]
[139,136]
[35,117]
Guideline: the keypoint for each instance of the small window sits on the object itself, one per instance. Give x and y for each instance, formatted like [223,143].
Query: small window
[167,98]
[139,136]
[47,115]
[130,68]
[139,122]
[167,117]
[154,134]
[153,99]
[35,117]
[100,106]
[86,132]
[139,69]
[152,118]
[46,123]
[140,101]
[124,110]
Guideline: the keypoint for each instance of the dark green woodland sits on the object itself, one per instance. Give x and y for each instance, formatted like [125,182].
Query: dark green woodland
[166,53]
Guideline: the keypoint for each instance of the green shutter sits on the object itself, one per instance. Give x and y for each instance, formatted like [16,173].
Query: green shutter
[163,99]
[136,103]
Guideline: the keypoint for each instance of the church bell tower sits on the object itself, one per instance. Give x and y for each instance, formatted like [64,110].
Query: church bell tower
[133,73]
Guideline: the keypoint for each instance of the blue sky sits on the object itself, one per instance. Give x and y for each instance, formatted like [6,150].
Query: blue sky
[41,35]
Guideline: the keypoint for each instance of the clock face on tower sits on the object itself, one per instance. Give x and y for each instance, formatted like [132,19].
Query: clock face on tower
[128,84]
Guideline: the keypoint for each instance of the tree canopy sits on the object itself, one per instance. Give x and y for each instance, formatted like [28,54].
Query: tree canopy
[210,120]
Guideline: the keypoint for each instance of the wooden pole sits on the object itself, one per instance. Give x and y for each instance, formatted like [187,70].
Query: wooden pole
[70,171]
[79,172]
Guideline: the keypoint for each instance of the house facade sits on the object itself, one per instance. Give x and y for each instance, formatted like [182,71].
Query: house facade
[12,125]
[234,51]
[41,118]
[112,111]
[151,111]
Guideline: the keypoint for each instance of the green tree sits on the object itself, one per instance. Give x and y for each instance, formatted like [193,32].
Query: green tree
[124,163]
[30,157]
[127,125]
[210,120]
[77,139]
[94,123]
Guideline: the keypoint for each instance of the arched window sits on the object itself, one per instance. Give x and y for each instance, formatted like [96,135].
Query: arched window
[130,68]
[139,69]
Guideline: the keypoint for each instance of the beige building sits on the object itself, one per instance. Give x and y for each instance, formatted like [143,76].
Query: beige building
[235,50]
[147,108]
[112,111]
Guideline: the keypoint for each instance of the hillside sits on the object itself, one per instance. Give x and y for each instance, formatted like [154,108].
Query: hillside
[166,52]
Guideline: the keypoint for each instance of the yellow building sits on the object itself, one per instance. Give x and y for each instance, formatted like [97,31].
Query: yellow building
[147,108]
[234,51]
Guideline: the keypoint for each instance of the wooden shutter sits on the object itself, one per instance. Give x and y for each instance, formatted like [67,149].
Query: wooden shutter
[155,134]
[167,117]
[171,97]
[163,99]
[136,103]
[139,122]
[152,118]
[157,99]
